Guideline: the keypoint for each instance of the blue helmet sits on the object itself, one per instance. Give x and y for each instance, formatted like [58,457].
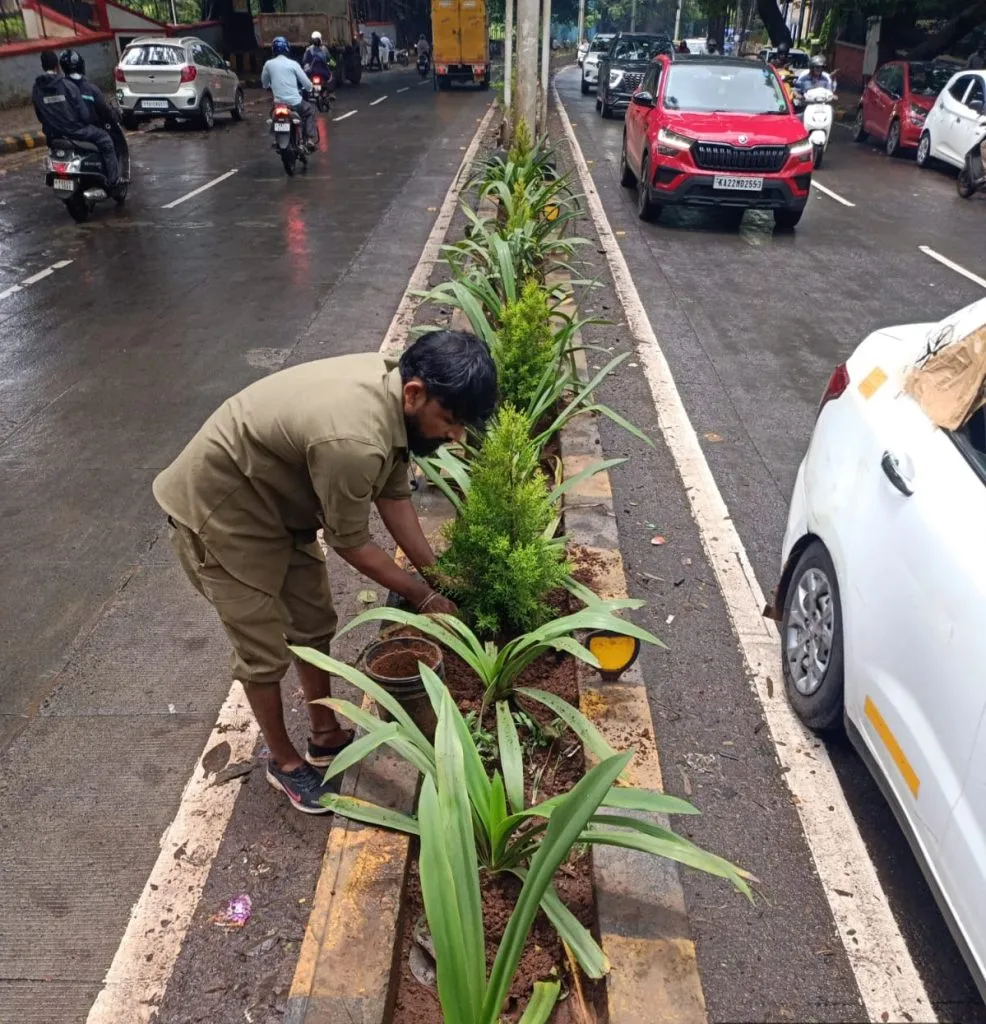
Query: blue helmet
[279,47]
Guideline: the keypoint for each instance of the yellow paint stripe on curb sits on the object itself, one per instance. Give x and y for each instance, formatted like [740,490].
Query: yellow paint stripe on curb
[658,981]
[890,742]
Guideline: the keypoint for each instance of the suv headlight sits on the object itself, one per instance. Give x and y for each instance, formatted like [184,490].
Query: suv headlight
[803,150]
[670,143]
[615,77]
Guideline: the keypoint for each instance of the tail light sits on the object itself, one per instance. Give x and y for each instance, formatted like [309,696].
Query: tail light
[188,74]
[441,69]
[836,386]
[317,80]
[59,167]
[118,75]
[282,111]
[478,69]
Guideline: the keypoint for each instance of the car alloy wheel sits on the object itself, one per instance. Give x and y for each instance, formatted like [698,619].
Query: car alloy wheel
[239,106]
[627,178]
[811,639]
[207,113]
[647,209]
[858,132]
[923,157]
[893,139]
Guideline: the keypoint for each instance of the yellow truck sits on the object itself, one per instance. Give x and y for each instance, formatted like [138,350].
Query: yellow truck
[460,49]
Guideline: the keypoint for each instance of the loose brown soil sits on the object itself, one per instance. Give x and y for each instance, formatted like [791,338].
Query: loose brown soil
[402,663]
[552,768]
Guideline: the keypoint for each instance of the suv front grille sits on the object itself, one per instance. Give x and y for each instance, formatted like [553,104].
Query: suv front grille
[630,81]
[720,156]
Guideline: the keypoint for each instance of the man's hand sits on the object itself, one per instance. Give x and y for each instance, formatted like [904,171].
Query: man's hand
[436,604]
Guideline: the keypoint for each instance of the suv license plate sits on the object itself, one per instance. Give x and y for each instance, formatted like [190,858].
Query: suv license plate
[63,184]
[282,127]
[738,183]
[154,104]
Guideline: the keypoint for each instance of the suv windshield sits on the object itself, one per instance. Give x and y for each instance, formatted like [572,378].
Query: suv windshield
[928,79]
[724,88]
[153,54]
[642,48]
[600,45]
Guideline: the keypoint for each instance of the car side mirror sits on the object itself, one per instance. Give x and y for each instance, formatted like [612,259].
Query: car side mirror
[643,99]
[976,105]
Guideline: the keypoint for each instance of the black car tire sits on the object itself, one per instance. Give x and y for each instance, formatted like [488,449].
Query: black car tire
[647,209]
[606,109]
[923,157]
[585,87]
[964,184]
[822,709]
[239,106]
[485,83]
[129,121]
[893,138]
[859,133]
[787,220]
[207,113]
[627,178]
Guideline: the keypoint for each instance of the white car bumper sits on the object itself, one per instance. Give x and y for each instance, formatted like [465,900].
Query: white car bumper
[590,72]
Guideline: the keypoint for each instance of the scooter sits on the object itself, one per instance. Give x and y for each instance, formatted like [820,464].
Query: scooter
[424,65]
[285,126]
[972,177]
[818,117]
[74,172]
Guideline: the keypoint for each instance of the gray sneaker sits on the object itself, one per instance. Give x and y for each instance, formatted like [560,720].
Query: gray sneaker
[303,787]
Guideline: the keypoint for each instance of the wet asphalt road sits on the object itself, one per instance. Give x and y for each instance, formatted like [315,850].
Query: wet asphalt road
[752,324]
[111,673]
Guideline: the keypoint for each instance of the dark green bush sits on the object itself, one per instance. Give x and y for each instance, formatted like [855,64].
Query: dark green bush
[500,566]
[525,349]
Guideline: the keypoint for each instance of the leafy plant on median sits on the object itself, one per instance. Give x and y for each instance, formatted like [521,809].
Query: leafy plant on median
[525,349]
[507,836]
[500,564]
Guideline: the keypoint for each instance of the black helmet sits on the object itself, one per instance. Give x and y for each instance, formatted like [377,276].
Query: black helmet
[72,62]
[783,49]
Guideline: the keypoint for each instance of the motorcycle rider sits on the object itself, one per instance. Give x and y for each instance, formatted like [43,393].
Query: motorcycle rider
[64,114]
[288,83]
[317,60]
[814,76]
[782,64]
[712,47]
[423,46]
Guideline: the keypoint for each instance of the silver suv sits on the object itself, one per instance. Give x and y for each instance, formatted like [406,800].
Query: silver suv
[176,78]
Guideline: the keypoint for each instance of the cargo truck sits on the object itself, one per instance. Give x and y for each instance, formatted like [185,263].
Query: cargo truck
[460,42]
[300,18]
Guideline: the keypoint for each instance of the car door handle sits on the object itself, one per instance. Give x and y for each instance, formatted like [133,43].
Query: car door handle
[891,469]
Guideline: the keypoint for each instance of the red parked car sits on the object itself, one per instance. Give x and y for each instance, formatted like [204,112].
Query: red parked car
[896,101]
[711,131]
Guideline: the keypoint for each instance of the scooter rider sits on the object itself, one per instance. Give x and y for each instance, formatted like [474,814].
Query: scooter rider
[423,46]
[74,69]
[317,60]
[782,62]
[64,114]
[287,82]
[814,77]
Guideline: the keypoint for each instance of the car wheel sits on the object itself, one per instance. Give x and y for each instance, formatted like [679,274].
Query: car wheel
[859,133]
[923,156]
[585,87]
[239,106]
[627,178]
[647,209]
[811,640]
[893,139]
[207,113]
[599,104]
[606,109]
[964,184]
[787,220]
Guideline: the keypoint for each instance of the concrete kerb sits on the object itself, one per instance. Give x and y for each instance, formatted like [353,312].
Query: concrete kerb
[21,141]
[348,968]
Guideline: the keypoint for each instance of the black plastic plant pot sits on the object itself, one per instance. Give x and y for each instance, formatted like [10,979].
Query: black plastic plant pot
[393,664]
[615,652]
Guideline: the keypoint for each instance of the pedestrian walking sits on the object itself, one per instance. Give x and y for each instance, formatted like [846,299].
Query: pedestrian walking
[308,448]
[375,52]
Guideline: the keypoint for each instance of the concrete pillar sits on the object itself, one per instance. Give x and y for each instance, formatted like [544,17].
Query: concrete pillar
[525,105]
[508,63]
[545,65]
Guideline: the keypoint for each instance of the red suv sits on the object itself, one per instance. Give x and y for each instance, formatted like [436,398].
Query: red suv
[897,100]
[710,131]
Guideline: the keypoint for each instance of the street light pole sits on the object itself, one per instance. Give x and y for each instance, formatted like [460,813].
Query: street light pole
[581,21]
[633,16]
[508,62]
[526,106]
[545,63]
[677,20]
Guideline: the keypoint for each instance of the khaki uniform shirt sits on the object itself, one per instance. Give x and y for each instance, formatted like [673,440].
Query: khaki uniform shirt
[307,447]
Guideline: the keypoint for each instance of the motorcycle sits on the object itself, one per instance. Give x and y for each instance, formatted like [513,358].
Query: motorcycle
[74,172]
[285,126]
[322,92]
[402,58]
[424,65]
[818,117]
[972,177]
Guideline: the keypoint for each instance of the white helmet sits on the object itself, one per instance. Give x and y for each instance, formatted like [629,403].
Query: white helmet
[316,39]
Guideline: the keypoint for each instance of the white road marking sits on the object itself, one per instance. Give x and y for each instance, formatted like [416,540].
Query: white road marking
[33,279]
[831,194]
[146,956]
[375,102]
[888,980]
[145,959]
[342,117]
[944,261]
[199,190]
[393,342]
[425,82]
[405,89]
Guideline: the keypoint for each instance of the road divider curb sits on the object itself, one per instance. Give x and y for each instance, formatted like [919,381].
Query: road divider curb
[19,142]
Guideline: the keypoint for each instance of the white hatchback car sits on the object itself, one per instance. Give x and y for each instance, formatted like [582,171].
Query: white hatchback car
[954,124]
[882,606]
[176,79]
[590,63]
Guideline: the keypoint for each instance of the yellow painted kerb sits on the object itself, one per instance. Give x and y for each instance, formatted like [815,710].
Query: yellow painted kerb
[890,742]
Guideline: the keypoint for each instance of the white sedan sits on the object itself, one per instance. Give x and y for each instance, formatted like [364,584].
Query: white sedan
[590,63]
[882,606]
[954,124]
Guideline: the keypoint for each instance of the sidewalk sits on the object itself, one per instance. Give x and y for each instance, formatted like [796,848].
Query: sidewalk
[19,130]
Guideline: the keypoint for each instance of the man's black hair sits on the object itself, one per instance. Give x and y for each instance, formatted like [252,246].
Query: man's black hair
[49,60]
[457,370]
